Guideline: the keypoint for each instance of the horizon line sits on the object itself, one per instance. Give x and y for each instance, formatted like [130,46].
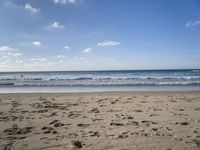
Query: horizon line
[181,69]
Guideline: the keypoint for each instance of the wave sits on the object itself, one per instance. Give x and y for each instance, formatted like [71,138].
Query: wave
[98,78]
[100,84]
[6,84]
[106,78]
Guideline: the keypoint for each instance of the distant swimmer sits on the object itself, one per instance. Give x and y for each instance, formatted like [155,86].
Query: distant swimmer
[22,75]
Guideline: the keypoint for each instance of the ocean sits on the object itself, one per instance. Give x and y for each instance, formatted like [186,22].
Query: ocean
[97,81]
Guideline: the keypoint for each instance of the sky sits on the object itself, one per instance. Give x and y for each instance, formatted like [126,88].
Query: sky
[62,35]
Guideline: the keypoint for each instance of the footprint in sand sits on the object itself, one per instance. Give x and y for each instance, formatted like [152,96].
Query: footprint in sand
[184,123]
[152,115]
[197,108]
[129,117]
[94,133]
[73,114]
[96,119]
[15,130]
[173,101]
[135,123]
[116,124]
[8,146]
[143,102]
[72,135]
[197,142]
[138,110]
[48,130]
[95,110]
[123,135]
[148,123]
[83,125]
[56,123]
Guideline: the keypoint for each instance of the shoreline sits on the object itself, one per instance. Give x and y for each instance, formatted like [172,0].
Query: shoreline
[99,89]
[100,120]
[107,92]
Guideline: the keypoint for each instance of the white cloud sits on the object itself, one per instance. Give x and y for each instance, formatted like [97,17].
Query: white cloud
[4,62]
[57,25]
[19,61]
[193,23]
[11,58]
[66,47]
[87,50]
[43,60]
[108,43]
[61,59]
[36,43]
[39,59]
[7,48]
[4,57]
[31,9]
[80,60]
[65,1]
[60,56]
[15,54]
[94,33]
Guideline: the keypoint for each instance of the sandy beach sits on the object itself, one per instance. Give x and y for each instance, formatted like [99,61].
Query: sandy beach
[99,121]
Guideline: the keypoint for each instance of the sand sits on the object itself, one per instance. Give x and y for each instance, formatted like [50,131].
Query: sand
[99,121]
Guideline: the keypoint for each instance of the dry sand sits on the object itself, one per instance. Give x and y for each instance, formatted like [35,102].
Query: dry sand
[99,121]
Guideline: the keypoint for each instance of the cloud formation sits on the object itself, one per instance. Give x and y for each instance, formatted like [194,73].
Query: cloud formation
[10,57]
[57,25]
[65,1]
[193,23]
[80,60]
[42,60]
[61,59]
[60,56]
[87,50]
[6,48]
[15,54]
[66,47]
[31,9]
[108,43]
[36,43]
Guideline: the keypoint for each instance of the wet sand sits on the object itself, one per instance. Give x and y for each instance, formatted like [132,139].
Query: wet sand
[99,121]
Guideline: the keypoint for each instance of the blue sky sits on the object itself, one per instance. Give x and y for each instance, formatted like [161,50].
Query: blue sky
[99,34]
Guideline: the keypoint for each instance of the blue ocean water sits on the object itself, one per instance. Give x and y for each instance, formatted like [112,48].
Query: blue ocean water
[89,81]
